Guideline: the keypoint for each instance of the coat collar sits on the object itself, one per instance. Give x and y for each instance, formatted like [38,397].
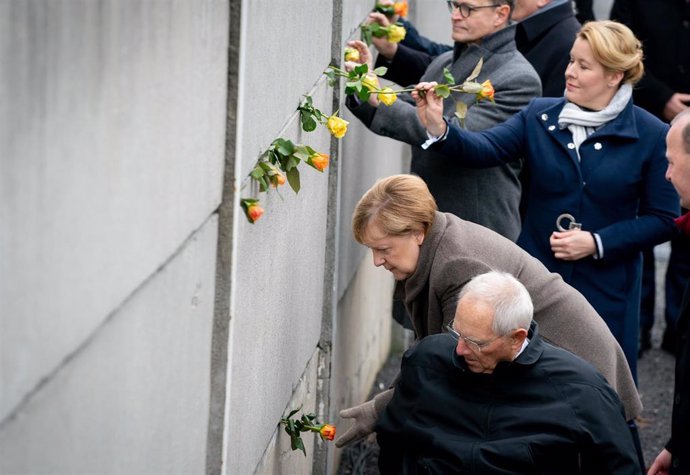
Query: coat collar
[623,126]
[530,356]
[416,283]
[489,45]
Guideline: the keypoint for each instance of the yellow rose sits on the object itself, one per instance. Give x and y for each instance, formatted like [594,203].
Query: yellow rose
[388,96]
[371,82]
[396,33]
[351,54]
[337,126]
[487,91]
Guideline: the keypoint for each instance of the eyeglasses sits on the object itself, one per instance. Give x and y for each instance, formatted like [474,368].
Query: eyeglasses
[465,9]
[473,345]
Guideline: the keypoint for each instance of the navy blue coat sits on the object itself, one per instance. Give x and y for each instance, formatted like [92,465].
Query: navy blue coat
[618,190]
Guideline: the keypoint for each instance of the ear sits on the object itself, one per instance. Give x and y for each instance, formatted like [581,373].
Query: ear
[419,237]
[615,78]
[502,15]
[519,337]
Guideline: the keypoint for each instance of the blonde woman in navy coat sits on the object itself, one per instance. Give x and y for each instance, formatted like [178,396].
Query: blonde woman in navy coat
[595,160]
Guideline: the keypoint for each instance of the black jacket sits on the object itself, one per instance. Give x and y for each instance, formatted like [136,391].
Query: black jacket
[545,40]
[679,445]
[546,412]
[663,26]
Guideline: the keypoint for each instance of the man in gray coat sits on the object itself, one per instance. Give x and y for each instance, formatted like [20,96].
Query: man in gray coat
[489,197]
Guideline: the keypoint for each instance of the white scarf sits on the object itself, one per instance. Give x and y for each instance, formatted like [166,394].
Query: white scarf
[582,123]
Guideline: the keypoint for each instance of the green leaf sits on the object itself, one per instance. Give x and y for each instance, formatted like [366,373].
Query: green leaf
[284,147]
[330,74]
[293,179]
[477,70]
[448,76]
[257,172]
[291,162]
[299,445]
[442,90]
[361,70]
[308,122]
[263,184]
[381,70]
[363,94]
[366,35]
[302,154]
[293,412]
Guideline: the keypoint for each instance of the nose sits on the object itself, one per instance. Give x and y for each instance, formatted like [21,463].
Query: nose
[378,260]
[569,71]
[462,349]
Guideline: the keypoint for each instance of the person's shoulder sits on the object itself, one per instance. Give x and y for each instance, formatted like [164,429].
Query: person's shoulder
[431,351]
[565,367]
[648,120]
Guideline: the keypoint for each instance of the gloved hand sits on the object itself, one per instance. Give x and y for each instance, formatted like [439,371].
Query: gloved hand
[365,417]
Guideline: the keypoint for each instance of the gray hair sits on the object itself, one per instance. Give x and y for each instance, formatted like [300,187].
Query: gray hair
[510,300]
[685,132]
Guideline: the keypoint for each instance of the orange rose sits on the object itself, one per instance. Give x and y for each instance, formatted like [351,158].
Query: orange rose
[252,209]
[277,180]
[327,431]
[400,8]
[319,161]
[254,212]
[487,91]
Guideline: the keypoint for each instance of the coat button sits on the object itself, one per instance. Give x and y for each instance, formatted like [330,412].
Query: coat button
[571,146]
[597,146]
[677,399]
[552,128]
[544,117]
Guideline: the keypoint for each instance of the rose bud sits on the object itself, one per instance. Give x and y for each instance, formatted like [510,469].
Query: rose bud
[254,212]
[319,161]
[337,126]
[351,54]
[487,91]
[396,33]
[327,431]
[388,96]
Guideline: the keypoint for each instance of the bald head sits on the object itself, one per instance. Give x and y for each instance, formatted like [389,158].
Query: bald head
[524,8]
[678,155]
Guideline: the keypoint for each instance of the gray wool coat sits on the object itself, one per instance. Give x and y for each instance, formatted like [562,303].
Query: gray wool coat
[491,196]
[455,250]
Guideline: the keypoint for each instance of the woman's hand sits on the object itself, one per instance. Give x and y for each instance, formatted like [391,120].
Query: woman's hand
[386,48]
[429,108]
[572,245]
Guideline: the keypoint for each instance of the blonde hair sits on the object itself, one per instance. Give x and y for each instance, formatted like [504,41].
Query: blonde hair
[399,204]
[616,48]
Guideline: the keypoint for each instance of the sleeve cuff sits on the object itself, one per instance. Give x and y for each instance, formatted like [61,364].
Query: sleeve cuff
[433,139]
[599,254]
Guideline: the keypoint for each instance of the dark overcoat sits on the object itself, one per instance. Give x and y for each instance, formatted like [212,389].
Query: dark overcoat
[546,412]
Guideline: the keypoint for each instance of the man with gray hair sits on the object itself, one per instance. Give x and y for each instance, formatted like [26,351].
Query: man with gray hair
[490,396]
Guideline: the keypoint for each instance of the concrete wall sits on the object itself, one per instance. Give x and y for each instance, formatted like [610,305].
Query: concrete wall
[112,129]
[146,326]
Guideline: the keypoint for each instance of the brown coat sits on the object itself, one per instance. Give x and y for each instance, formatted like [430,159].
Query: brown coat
[455,250]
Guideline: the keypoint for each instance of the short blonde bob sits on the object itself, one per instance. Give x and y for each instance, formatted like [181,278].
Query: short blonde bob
[399,204]
[616,48]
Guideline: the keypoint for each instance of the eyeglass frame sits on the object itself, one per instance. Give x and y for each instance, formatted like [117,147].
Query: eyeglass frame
[477,346]
[453,5]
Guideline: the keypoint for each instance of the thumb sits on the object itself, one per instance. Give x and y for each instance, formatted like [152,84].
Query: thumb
[349,413]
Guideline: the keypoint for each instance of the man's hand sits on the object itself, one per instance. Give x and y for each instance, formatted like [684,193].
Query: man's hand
[365,56]
[429,108]
[385,47]
[365,418]
[662,464]
[675,105]
[572,245]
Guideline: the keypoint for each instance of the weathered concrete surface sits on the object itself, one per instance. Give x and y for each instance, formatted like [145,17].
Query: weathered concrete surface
[134,398]
[111,138]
